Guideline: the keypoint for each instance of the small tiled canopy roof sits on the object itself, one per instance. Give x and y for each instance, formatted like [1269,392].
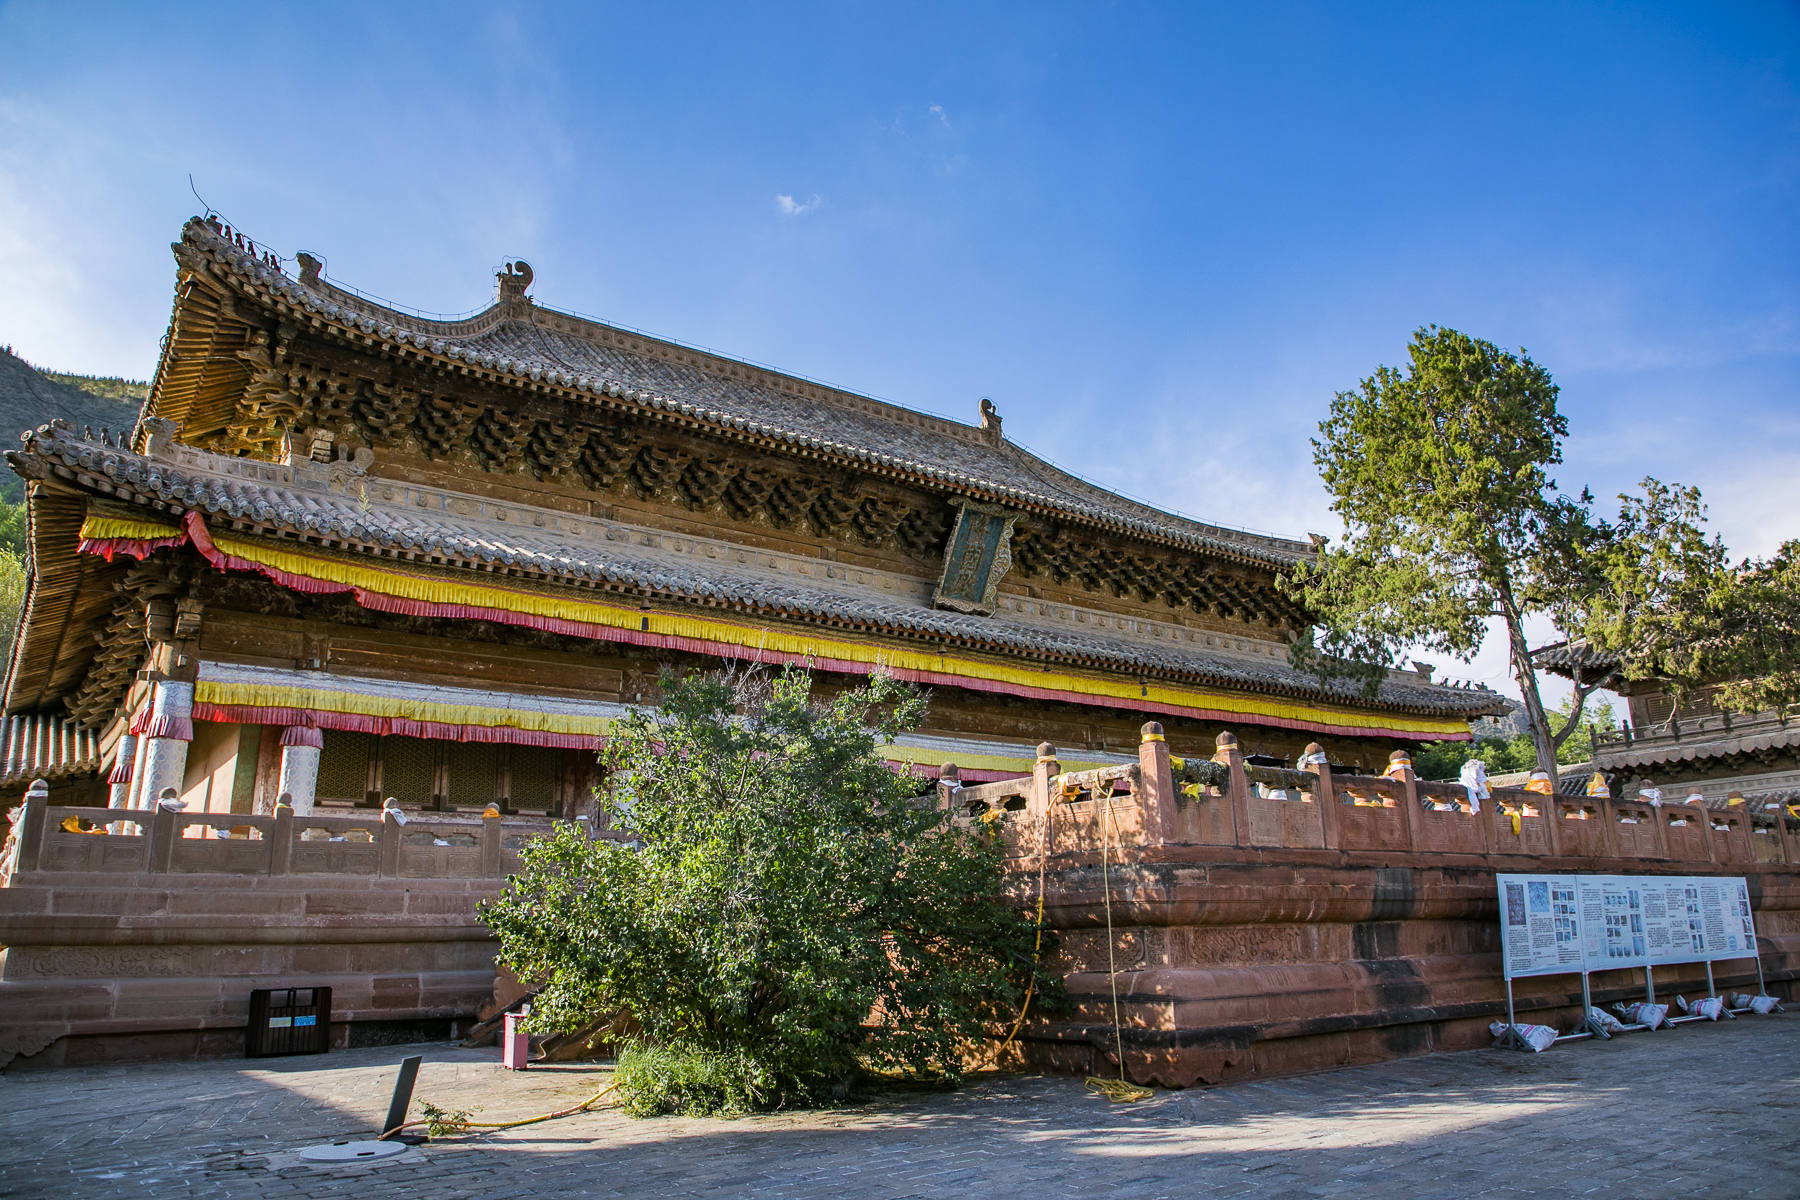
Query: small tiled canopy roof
[1565,658]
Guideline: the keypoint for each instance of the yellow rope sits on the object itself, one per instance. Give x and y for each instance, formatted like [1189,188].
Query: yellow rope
[1036,950]
[1120,1090]
[461,1124]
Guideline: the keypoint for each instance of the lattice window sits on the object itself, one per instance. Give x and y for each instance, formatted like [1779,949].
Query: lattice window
[344,766]
[534,772]
[474,769]
[407,767]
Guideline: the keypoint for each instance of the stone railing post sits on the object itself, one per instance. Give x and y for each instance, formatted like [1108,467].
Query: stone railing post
[493,841]
[1706,832]
[1325,796]
[1043,773]
[164,829]
[1609,835]
[31,827]
[1550,807]
[281,838]
[1400,769]
[1157,782]
[388,855]
[948,784]
[1238,792]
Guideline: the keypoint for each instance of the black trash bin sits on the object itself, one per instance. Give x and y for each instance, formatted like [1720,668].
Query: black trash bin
[288,1021]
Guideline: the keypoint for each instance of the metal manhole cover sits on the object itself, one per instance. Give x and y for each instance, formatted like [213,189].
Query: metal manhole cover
[352,1151]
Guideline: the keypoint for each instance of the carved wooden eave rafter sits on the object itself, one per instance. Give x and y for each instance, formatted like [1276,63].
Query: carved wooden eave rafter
[228,500]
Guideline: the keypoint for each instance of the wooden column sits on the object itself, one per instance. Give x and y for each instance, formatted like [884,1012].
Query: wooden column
[1658,823]
[1156,783]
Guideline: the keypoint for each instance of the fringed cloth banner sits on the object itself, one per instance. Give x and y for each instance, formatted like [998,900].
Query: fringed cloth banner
[308,701]
[107,536]
[422,593]
[240,714]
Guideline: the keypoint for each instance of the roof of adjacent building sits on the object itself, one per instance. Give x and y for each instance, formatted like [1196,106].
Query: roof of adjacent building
[335,506]
[524,344]
[1750,736]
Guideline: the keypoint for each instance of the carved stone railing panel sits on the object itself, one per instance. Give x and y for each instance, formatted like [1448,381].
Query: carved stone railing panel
[164,842]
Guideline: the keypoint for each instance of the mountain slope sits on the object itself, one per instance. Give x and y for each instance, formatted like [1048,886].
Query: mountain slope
[29,398]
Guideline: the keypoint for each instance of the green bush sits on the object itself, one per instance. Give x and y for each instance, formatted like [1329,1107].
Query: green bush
[789,913]
[656,1081]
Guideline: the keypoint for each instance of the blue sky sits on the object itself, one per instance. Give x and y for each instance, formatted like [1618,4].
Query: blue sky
[1158,236]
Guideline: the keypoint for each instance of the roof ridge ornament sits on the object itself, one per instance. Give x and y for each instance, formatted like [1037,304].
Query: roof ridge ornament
[513,281]
[990,421]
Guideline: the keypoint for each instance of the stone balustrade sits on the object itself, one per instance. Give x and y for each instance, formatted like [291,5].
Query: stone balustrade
[169,842]
[1321,810]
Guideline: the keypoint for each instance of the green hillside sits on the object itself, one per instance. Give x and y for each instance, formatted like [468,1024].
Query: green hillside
[30,397]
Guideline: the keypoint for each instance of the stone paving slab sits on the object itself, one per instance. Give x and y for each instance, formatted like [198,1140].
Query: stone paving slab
[1703,1110]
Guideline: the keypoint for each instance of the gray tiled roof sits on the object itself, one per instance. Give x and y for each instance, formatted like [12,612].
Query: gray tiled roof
[521,341]
[310,498]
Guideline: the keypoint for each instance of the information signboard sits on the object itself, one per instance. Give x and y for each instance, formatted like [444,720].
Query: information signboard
[1552,924]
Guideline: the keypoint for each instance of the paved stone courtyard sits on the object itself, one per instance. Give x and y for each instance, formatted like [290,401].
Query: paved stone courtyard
[1704,1110]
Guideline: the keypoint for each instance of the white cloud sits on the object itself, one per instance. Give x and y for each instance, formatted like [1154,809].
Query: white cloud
[796,208]
[939,110]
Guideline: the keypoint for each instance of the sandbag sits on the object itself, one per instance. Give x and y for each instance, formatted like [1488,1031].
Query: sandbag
[1605,1021]
[1538,1037]
[1712,1008]
[1647,1015]
[1762,1005]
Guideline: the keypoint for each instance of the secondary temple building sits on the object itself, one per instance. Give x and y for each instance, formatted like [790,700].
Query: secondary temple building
[349,553]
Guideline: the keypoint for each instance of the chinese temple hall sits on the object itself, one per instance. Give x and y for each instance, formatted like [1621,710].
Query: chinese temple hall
[350,553]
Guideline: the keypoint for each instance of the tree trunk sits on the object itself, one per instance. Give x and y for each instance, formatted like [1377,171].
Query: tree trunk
[1526,675]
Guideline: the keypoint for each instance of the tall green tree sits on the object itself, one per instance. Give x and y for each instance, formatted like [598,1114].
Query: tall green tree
[1441,474]
[789,910]
[1677,610]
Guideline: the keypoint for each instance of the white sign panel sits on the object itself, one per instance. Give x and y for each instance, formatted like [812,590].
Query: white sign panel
[1552,924]
[1540,924]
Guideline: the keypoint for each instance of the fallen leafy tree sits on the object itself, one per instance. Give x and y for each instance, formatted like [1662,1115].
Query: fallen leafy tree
[790,913]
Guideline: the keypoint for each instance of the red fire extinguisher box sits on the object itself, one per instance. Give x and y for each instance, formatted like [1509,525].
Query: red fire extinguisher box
[288,1021]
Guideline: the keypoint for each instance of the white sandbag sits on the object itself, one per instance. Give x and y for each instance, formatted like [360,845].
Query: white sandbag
[1762,1005]
[1647,1015]
[1712,1008]
[1538,1037]
[1606,1021]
